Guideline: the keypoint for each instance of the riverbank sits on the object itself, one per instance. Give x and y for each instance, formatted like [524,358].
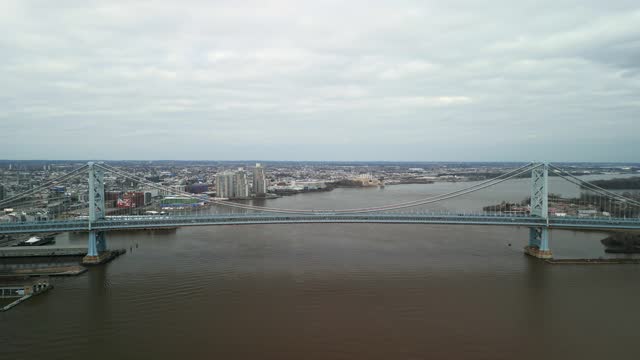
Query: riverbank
[72,270]
[18,252]
[592,261]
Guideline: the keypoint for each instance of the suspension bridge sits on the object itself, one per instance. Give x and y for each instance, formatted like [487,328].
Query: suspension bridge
[607,210]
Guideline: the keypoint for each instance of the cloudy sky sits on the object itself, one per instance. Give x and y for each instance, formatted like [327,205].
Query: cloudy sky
[320,80]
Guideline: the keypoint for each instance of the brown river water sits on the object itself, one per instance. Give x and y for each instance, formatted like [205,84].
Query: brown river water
[336,291]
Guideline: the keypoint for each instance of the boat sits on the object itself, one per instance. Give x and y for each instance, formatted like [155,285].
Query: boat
[37,241]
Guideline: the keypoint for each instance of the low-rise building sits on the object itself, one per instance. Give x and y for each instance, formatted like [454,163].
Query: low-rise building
[22,287]
[179,202]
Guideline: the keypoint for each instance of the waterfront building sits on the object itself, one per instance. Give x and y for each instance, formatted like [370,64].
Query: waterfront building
[232,185]
[16,288]
[179,202]
[241,185]
[368,180]
[309,184]
[131,199]
[259,181]
[224,185]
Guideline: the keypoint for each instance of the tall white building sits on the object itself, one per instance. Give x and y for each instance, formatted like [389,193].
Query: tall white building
[259,181]
[224,184]
[241,184]
[232,185]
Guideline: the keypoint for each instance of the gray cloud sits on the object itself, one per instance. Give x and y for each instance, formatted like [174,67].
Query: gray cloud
[402,80]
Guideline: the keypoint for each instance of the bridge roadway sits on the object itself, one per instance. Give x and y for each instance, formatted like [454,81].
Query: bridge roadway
[147,222]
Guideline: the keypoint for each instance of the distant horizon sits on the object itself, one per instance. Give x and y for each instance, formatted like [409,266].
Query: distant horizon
[2,161]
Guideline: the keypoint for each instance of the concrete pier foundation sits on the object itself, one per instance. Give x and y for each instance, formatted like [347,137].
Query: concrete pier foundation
[536,252]
[539,243]
[102,257]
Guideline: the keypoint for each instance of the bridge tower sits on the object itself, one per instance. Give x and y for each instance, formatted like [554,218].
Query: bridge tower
[97,247]
[539,236]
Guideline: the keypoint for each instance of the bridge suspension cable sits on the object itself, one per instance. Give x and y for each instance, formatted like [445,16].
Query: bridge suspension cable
[592,187]
[72,174]
[146,182]
[424,201]
[479,186]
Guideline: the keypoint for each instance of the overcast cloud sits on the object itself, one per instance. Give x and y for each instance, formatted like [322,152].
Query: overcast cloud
[320,80]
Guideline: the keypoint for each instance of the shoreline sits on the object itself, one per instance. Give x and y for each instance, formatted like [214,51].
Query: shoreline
[597,261]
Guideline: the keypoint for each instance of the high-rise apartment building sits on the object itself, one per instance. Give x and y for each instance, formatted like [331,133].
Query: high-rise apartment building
[241,184]
[2,192]
[259,181]
[232,185]
[224,185]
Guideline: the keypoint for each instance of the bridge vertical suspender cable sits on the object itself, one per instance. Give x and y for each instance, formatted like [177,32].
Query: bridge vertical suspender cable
[482,185]
[45,186]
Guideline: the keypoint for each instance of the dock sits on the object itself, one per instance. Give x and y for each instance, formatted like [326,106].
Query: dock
[71,270]
[22,289]
[14,252]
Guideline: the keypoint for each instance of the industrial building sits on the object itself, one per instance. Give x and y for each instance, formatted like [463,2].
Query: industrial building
[198,188]
[131,200]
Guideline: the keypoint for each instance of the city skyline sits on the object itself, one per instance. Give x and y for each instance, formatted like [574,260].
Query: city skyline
[232,164]
[283,80]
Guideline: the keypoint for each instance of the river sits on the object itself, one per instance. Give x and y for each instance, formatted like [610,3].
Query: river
[337,291]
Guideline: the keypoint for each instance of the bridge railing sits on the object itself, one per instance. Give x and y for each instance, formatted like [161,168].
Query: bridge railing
[610,205]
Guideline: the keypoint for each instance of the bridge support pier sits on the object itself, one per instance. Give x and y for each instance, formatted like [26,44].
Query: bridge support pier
[539,243]
[97,249]
[539,236]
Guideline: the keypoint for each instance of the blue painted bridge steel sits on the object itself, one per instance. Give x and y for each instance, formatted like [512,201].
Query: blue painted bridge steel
[150,222]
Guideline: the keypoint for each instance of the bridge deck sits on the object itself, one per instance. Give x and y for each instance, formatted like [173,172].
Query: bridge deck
[142,222]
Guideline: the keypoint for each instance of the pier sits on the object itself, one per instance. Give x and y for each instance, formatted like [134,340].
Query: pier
[22,289]
[15,252]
